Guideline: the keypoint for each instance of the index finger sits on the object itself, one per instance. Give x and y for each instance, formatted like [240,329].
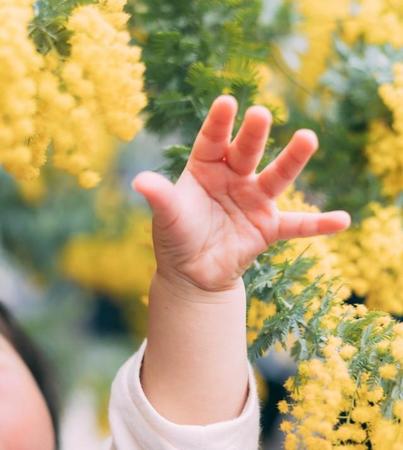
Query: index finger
[214,136]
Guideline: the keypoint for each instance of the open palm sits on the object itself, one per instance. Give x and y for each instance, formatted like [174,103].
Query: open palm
[220,215]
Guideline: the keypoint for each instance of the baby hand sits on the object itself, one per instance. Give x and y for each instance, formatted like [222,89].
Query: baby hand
[210,225]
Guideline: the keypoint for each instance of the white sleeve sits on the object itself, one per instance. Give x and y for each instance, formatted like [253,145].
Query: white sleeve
[136,425]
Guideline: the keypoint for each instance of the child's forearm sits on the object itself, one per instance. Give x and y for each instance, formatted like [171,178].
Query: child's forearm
[195,365]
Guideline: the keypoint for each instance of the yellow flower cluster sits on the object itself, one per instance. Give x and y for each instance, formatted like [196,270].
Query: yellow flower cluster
[32,191]
[377,21]
[371,258]
[350,413]
[320,21]
[103,94]
[73,126]
[385,151]
[103,68]
[120,266]
[19,68]
[76,104]
[326,383]
[385,157]
[258,312]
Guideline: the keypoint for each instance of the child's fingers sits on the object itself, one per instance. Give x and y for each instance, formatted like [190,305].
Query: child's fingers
[161,196]
[302,224]
[215,134]
[280,173]
[247,149]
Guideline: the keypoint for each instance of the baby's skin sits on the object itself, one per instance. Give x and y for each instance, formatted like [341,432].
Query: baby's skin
[207,229]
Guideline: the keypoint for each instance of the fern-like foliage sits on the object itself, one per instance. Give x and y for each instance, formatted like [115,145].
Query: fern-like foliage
[195,51]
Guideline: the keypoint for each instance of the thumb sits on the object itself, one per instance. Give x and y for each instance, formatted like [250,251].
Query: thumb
[160,194]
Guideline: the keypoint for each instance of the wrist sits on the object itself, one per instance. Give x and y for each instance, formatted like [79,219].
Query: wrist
[176,286]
